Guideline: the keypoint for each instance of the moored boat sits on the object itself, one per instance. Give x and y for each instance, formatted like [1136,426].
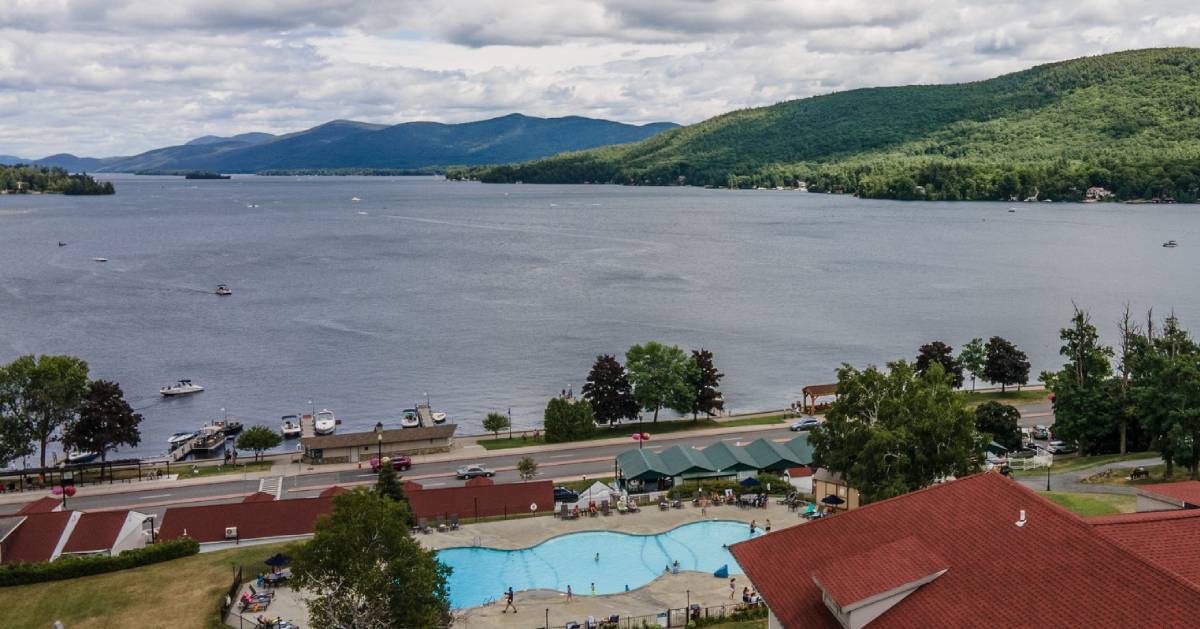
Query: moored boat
[438,418]
[223,290]
[183,387]
[325,422]
[409,418]
[81,456]
[210,439]
[180,438]
[290,427]
[228,426]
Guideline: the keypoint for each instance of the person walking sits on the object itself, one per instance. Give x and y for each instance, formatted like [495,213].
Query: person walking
[593,589]
[753,526]
[732,587]
[767,528]
[570,595]
[508,601]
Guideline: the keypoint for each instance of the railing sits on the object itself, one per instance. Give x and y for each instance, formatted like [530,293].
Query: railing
[231,596]
[680,616]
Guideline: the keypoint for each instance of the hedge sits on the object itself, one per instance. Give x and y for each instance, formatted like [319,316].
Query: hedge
[71,567]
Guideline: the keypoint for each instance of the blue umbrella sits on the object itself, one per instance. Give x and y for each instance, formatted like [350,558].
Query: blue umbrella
[749,482]
[279,560]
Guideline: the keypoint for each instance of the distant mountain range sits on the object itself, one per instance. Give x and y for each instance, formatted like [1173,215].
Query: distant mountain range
[1128,122]
[345,144]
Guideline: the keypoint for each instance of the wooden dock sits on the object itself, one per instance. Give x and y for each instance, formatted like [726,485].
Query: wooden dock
[307,428]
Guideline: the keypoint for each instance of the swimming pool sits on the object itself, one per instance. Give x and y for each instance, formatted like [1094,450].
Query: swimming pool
[481,574]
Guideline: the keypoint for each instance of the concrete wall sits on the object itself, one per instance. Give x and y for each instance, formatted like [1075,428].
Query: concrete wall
[803,484]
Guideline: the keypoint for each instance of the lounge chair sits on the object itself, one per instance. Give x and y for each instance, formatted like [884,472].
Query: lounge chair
[564,510]
[663,505]
[453,521]
[423,525]
[621,508]
[632,505]
[604,508]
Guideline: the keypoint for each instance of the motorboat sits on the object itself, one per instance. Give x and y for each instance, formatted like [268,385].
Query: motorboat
[223,290]
[438,418]
[180,438]
[210,439]
[409,418]
[1171,244]
[324,423]
[81,456]
[183,387]
[290,427]
[98,259]
[228,426]
[62,244]
[355,199]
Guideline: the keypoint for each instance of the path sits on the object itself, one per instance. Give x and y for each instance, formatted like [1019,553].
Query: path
[1072,481]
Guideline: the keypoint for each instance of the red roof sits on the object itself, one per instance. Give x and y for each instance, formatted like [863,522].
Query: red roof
[481,499]
[96,531]
[207,523]
[332,491]
[1187,491]
[799,472]
[35,538]
[881,569]
[259,496]
[45,504]
[1056,568]
[1170,539]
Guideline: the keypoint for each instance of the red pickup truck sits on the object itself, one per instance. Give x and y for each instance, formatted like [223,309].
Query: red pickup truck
[399,463]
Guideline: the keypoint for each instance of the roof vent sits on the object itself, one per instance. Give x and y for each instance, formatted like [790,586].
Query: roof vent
[1021,520]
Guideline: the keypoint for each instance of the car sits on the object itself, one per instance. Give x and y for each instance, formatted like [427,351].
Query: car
[399,463]
[562,494]
[1041,432]
[471,471]
[805,424]
[1061,447]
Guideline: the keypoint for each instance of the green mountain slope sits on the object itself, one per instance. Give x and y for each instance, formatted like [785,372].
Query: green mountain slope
[1127,121]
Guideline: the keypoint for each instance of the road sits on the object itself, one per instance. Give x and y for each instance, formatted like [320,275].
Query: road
[584,460]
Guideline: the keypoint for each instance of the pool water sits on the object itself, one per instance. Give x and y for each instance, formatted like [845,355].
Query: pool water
[626,561]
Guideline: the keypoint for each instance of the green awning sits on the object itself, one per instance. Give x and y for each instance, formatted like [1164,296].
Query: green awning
[769,455]
[641,464]
[729,459]
[801,449]
[686,462]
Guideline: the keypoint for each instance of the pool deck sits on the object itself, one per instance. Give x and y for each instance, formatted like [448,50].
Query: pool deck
[664,592]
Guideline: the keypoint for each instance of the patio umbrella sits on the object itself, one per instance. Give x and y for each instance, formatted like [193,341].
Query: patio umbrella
[749,482]
[279,560]
[832,500]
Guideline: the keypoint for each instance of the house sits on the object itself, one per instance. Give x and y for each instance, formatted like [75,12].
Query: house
[826,483]
[480,498]
[800,477]
[1169,496]
[40,535]
[1096,193]
[979,551]
[354,447]
[255,522]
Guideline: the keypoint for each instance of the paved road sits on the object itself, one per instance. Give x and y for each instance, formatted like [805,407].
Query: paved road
[584,460]
[1072,481]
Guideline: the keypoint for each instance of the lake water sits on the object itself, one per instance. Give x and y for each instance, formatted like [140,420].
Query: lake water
[489,297]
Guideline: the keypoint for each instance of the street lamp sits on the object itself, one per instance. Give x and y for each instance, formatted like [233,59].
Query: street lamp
[379,441]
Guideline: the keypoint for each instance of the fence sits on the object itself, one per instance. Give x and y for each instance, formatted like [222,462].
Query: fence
[231,596]
[679,616]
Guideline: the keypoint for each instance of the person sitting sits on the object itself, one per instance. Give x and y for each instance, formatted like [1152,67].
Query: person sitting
[746,595]
[575,512]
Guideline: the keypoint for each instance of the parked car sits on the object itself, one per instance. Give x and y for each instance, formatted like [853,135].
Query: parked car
[1041,432]
[805,424]
[562,494]
[1062,447]
[399,463]
[471,471]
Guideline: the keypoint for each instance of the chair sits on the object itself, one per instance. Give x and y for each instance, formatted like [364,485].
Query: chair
[564,510]
[453,521]
[621,508]
[423,525]
[604,508]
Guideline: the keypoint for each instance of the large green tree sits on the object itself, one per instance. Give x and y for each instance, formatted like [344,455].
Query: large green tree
[16,412]
[105,421]
[659,376]
[972,358]
[1165,389]
[258,439]
[495,422]
[49,390]
[890,432]
[1005,363]
[566,420]
[609,391]
[703,381]
[1083,389]
[363,570]
[942,354]
[388,484]
[999,422]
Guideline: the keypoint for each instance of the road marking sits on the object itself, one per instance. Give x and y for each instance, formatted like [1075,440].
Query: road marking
[433,484]
[561,456]
[367,475]
[156,496]
[732,439]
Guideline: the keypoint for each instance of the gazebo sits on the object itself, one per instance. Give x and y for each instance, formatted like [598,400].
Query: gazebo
[813,392]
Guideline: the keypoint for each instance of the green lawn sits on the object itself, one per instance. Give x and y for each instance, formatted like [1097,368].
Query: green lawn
[625,430]
[1014,397]
[185,471]
[1093,504]
[179,593]
[1120,476]
[1075,463]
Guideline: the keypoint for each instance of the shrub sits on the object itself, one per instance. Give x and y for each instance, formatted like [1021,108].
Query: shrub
[72,567]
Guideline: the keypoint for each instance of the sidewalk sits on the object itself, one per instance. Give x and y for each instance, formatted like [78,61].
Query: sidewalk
[123,487]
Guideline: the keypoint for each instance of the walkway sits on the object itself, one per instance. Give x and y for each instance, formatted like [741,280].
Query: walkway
[1072,481]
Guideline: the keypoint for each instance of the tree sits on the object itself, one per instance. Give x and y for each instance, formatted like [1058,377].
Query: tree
[527,468]
[16,413]
[658,374]
[363,570]
[939,352]
[568,421]
[258,438]
[609,391]
[892,432]
[388,485]
[105,421]
[1165,382]
[495,422]
[972,358]
[1083,393]
[1005,363]
[702,380]
[48,391]
[999,422]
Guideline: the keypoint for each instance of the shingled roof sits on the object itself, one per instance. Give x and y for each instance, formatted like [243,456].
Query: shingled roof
[1170,539]
[1054,570]
[1185,493]
[277,518]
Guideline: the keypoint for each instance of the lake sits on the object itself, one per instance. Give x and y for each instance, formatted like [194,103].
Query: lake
[488,297]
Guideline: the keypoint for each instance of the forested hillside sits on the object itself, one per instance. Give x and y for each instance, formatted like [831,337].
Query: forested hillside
[1128,121]
[20,179]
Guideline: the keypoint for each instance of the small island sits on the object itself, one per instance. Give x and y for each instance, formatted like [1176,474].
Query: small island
[29,179]
[204,174]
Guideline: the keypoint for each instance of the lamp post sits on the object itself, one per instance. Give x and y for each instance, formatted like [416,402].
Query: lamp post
[379,442]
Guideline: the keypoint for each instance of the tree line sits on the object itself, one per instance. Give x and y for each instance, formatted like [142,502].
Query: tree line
[29,178]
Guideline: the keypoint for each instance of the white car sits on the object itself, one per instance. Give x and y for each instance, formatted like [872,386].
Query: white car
[471,471]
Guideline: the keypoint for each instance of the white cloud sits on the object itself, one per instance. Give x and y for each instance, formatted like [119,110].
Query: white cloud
[103,77]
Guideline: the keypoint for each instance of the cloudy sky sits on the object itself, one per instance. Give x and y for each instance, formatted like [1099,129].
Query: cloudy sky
[106,77]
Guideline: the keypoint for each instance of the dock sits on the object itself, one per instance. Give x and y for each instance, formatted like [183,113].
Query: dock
[424,415]
[307,428]
[182,452]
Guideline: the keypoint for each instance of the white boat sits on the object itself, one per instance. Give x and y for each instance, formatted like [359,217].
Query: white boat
[290,427]
[355,199]
[99,259]
[183,387]
[438,418]
[223,290]
[324,423]
[180,438]
[409,418]
[81,456]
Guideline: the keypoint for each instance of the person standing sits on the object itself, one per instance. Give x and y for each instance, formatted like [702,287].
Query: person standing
[570,595]
[508,601]
[593,589]
[732,587]
[767,528]
[753,526]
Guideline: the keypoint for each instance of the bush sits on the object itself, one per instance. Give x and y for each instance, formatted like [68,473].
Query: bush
[72,567]
[569,421]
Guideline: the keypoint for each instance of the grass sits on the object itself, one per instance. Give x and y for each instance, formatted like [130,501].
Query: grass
[1120,476]
[180,593]
[1093,504]
[217,470]
[1076,463]
[625,430]
[1008,397]
[758,623]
